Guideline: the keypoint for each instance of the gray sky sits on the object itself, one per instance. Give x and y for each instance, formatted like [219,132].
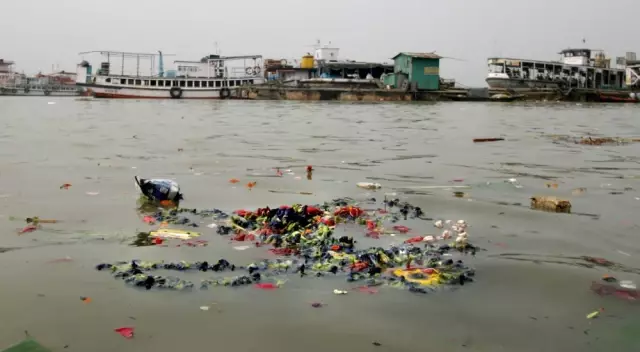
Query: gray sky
[39,33]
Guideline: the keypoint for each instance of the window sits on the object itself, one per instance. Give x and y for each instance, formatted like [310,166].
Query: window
[146,82]
[210,84]
[250,81]
[189,84]
[182,83]
[108,80]
[196,84]
[218,84]
[167,83]
[238,83]
[123,81]
[153,83]
[138,82]
[130,81]
[231,83]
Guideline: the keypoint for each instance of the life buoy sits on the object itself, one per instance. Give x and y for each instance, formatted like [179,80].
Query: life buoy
[225,93]
[248,70]
[175,92]
[257,70]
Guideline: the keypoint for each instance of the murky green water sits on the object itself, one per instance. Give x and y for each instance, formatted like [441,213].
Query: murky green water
[529,302]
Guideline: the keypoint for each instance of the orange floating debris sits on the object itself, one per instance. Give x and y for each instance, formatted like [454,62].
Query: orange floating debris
[65,186]
[250,185]
[234,180]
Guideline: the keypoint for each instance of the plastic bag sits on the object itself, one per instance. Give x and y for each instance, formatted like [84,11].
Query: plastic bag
[159,189]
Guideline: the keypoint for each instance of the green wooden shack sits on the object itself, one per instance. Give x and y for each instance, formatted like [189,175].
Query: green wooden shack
[419,71]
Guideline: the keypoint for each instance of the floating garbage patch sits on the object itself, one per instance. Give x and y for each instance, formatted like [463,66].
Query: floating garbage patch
[302,237]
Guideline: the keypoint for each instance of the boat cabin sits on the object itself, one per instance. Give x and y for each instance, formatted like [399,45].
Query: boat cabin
[575,70]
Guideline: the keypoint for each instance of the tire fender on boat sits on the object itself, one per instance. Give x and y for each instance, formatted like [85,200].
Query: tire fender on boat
[225,93]
[175,92]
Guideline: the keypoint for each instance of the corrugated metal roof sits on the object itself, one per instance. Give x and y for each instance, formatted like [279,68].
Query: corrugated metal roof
[420,55]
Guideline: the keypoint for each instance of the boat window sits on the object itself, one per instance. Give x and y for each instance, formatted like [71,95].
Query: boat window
[123,81]
[108,80]
[167,83]
[218,84]
[211,84]
[496,68]
[238,83]
[189,84]
[130,81]
[153,83]
[196,84]
[138,82]
[182,83]
[146,82]
[250,81]
[231,83]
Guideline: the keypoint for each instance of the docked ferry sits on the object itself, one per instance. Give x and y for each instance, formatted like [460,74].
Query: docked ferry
[212,77]
[576,69]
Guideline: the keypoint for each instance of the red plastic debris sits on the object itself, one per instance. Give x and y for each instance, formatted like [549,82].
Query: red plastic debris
[359,266]
[349,211]
[242,212]
[65,186]
[414,240]
[335,247]
[126,332]
[309,168]
[382,211]
[282,251]
[244,237]
[313,211]
[401,229]
[373,234]
[371,224]
[149,220]
[29,228]
[366,289]
[266,286]
[157,241]
[328,222]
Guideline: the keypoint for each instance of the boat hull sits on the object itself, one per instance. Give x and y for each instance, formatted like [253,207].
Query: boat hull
[507,83]
[161,93]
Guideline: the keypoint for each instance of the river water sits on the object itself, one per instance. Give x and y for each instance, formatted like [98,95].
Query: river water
[527,296]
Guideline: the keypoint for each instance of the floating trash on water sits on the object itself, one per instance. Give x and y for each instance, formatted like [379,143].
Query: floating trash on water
[126,332]
[241,248]
[85,299]
[514,182]
[51,103]
[369,185]
[339,292]
[159,189]
[551,204]
[628,284]
[212,225]
[93,193]
[624,253]
[205,308]
[593,315]
[172,233]
[483,140]
[65,186]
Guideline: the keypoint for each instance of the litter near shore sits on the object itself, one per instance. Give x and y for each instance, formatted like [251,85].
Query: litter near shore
[301,236]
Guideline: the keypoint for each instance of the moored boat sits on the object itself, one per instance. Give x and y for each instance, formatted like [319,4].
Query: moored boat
[212,77]
[576,69]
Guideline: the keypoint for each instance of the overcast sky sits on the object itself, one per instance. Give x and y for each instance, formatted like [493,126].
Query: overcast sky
[38,33]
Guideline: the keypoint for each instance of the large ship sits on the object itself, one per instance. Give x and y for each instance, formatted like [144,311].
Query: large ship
[212,77]
[576,69]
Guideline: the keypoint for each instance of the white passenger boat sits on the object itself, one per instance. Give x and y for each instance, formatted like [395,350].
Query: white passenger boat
[212,77]
[577,69]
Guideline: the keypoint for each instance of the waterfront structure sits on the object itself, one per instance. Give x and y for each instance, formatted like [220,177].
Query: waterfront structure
[415,71]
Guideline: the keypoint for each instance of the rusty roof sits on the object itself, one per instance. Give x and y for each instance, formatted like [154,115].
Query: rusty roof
[420,55]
